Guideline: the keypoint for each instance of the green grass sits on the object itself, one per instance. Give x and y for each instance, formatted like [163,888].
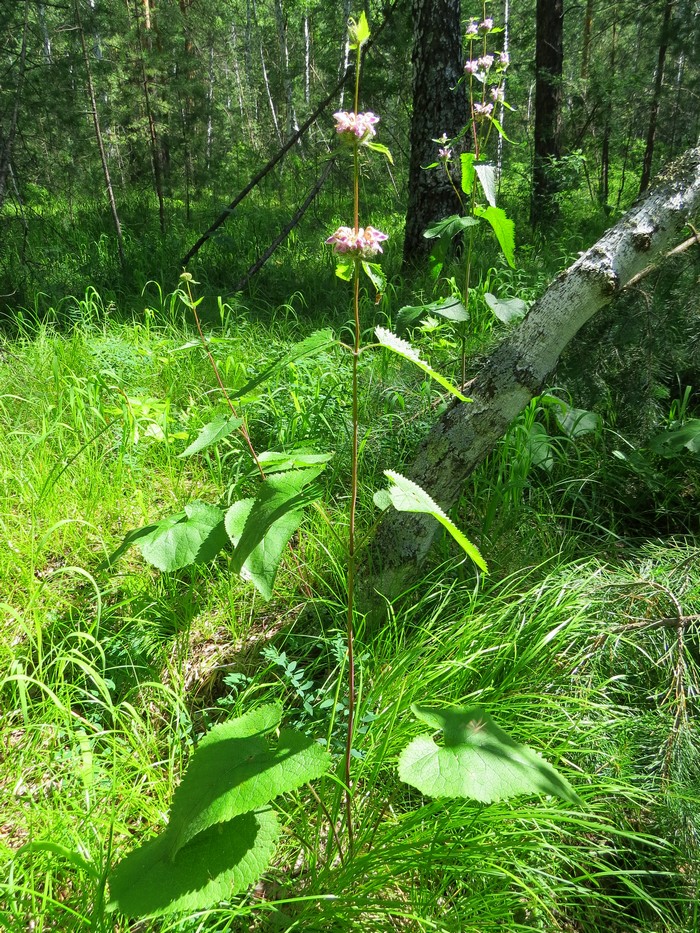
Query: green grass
[110,677]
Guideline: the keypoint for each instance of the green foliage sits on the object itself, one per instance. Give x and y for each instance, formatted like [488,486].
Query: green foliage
[220,835]
[478,760]
[404,349]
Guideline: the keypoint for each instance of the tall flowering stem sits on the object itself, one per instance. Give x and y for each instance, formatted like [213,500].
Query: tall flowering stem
[354,246]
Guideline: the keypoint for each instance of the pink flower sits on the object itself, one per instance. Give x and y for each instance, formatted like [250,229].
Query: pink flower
[483,110]
[471,67]
[445,154]
[486,26]
[355,126]
[365,244]
[497,94]
[503,60]
[485,62]
[472,28]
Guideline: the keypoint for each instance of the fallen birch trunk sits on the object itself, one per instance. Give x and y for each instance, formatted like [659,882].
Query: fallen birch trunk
[520,365]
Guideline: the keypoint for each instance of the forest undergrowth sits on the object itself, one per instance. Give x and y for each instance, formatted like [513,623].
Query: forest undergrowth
[583,641]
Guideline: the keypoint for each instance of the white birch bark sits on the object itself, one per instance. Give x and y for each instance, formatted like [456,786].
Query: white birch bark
[520,365]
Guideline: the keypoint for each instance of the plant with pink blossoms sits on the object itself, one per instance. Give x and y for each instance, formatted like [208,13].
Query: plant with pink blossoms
[364,243]
[352,127]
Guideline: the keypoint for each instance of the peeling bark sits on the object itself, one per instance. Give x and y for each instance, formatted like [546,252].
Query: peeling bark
[520,365]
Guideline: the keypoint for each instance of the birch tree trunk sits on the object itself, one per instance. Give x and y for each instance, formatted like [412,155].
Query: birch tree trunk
[519,367]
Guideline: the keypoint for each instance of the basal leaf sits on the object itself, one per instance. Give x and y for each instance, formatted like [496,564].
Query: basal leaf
[215,431]
[403,348]
[502,227]
[233,772]
[193,536]
[216,865]
[407,496]
[478,760]
[314,343]
[280,495]
[486,173]
[506,309]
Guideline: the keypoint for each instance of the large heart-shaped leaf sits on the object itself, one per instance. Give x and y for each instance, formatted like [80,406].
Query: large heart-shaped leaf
[506,309]
[486,172]
[234,771]
[193,536]
[478,760]
[216,865]
[449,226]
[449,308]
[407,496]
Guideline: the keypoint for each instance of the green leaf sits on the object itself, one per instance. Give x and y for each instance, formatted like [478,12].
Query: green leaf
[382,499]
[314,343]
[345,269]
[506,309]
[450,308]
[539,446]
[478,760]
[213,432]
[261,529]
[378,147]
[502,227]
[261,565]
[407,496]
[55,848]
[671,442]
[235,771]
[466,160]
[274,461]
[131,538]
[216,865]
[486,172]
[449,226]
[403,348]
[577,421]
[376,275]
[358,31]
[190,537]
[499,129]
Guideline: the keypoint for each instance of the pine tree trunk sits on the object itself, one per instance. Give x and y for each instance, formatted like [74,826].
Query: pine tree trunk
[437,109]
[98,136]
[656,98]
[521,364]
[549,62]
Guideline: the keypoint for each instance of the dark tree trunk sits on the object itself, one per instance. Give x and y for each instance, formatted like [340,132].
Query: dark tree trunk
[656,98]
[6,143]
[437,109]
[549,61]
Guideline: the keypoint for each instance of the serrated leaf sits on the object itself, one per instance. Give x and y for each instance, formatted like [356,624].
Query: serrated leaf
[407,496]
[234,771]
[274,461]
[478,760]
[213,432]
[499,128]
[273,517]
[384,150]
[403,348]
[190,537]
[216,865]
[502,227]
[506,309]
[466,160]
[345,269]
[451,309]
[486,173]
[382,499]
[449,226]
[376,275]
[314,343]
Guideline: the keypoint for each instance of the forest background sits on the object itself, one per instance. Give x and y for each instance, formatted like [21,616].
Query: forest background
[130,134]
